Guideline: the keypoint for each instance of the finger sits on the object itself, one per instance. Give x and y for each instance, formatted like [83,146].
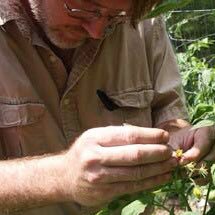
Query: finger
[201,147]
[134,187]
[211,155]
[189,140]
[132,155]
[126,135]
[137,173]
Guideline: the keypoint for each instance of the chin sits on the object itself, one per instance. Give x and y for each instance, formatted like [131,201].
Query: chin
[67,45]
[64,41]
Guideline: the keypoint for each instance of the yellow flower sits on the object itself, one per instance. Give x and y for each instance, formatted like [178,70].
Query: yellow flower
[203,170]
[191,167]
[197,192]
[179,153]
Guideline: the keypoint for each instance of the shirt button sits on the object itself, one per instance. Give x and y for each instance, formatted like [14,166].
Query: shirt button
[52,59]
[66,102]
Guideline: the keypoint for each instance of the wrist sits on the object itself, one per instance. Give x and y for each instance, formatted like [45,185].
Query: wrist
[33,182]
[58,178]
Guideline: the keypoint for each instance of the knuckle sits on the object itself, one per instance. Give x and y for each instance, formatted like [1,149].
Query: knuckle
[90,159]
[165,152]
[130,135]
[94,178]
[90,135]
[137,157]
[139,173]
[160,135]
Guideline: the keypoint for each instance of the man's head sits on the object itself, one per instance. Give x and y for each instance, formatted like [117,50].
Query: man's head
[68,23]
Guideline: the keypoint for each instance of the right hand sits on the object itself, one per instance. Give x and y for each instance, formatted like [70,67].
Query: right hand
[107,162]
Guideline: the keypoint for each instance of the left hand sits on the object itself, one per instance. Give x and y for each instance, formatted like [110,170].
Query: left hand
[197,144]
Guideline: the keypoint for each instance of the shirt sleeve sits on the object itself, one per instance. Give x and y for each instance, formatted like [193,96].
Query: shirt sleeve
[169,99]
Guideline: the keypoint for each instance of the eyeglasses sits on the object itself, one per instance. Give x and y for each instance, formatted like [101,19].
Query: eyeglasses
[85,14]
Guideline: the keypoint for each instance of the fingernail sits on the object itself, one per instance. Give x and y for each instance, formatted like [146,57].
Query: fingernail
[166,135]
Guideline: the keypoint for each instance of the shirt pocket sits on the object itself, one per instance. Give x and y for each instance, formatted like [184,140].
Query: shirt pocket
[13,118]
[133,107]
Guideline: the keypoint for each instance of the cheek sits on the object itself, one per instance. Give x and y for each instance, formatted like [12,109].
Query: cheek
[54,12]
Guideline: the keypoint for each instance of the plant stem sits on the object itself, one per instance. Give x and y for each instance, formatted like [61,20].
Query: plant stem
[207,197]
[177,175]
[161,206]
[186,201]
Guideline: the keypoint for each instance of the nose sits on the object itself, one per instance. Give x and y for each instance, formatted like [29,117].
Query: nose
[96,28]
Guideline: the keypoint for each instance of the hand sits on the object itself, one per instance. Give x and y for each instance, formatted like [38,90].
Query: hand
[197,144]
[111,161]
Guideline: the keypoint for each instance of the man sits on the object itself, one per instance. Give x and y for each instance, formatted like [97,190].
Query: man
[76,75]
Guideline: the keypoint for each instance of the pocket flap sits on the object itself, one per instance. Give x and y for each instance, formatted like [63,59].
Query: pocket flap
[136,99]
[21,114]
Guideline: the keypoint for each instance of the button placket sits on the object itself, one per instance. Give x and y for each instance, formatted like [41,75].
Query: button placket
[69,116]
[52,59]
[55,67]
[69,110]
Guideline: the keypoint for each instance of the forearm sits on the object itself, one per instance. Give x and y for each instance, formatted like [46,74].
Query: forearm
[31,182]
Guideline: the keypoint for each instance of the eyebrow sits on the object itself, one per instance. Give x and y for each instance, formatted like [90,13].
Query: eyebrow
[96,2]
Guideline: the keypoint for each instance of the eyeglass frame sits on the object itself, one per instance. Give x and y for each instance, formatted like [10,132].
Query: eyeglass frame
[96,14]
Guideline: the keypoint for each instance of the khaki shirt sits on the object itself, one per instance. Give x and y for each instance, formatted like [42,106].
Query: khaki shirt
[43,108]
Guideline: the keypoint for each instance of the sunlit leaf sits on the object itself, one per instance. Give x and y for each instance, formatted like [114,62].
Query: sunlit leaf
[213,173]
[167,6]
[204,123]
[190,213]
[200,110]
[135,208]
[212,196]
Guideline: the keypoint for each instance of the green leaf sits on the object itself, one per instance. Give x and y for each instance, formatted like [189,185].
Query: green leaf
[190,213]
[206,76]
[172,212]
[211,197]
[213,173]
[135,208]
[200,110]
[204,123]
[114,205]
[167,6]
[211,211]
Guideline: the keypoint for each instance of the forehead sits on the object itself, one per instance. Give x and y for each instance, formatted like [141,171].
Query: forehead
[112,4]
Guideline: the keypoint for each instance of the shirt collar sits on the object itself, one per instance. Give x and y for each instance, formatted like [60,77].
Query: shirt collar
[9,10]
[13,10]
